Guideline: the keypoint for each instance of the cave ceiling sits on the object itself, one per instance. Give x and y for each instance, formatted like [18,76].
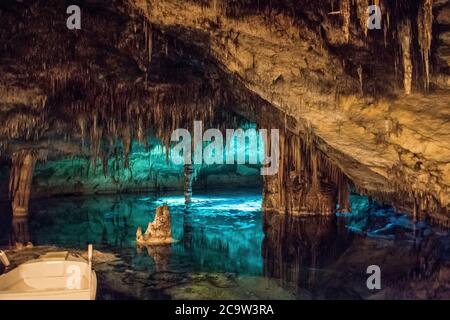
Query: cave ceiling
[143,67]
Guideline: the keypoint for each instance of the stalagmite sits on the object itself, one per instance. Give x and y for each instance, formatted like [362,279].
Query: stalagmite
[424,25]
[158,231]
[22,169]
[404,36]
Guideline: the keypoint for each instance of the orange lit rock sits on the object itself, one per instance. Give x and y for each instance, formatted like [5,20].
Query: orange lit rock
[159,230]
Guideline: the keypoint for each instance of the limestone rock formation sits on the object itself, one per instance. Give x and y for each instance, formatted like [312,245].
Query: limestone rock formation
[23,163]
[158,231]
[371,106]
[385,143]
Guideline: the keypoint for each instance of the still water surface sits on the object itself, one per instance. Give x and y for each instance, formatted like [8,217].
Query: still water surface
[228,248]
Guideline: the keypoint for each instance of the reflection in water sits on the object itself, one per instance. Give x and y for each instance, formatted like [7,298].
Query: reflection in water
[217,233]
[297,249]
[227,248]
[328,256]
[159,254]
[20,231]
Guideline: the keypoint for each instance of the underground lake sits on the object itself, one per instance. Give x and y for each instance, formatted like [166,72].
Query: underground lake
[227,248]
[224,150]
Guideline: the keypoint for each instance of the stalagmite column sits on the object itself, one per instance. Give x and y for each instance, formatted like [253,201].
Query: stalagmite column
[188,183]
[306,182]
[20,181]
[404,34]
[158,231]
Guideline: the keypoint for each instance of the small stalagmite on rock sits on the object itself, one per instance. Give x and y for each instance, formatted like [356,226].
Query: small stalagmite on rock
[159,230]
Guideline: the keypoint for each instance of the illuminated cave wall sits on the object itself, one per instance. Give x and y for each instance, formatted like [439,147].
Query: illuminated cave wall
[148,170]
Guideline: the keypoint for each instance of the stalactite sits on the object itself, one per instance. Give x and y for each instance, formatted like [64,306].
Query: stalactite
[104,165]
[404,36]
[363,15]
[150,44]
[306,182]
[346,13]
[314,170]
[96,138]
[281,178]
[82,124]
[360,77]
[424,25]
[140,134]
[126,145]
[386,29]
[21,176]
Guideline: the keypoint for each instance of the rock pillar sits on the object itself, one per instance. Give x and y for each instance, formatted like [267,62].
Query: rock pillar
[307,182]
[188,177]
[22,169]
[159,230]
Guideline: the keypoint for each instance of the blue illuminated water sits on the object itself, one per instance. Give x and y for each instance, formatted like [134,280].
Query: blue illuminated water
[222,232]
[229,249]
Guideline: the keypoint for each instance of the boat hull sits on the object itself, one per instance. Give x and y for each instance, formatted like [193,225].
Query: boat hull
[68,278]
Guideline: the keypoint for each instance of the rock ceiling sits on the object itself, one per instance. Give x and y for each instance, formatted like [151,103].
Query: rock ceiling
[140,67]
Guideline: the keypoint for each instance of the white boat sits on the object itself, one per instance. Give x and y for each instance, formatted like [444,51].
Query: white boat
[53,276]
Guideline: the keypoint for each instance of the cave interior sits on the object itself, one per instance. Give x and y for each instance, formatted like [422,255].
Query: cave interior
[362,114]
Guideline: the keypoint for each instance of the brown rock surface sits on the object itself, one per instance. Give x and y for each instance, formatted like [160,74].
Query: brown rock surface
[396,143]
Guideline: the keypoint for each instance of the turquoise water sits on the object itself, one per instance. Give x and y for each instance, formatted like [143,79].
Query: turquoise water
[216,232]
[228,248]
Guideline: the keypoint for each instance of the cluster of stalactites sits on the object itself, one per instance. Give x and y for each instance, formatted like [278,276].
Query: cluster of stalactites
[307,181]
[345,11]
[425,24]
[403,34]
[124,116]
[419,204]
